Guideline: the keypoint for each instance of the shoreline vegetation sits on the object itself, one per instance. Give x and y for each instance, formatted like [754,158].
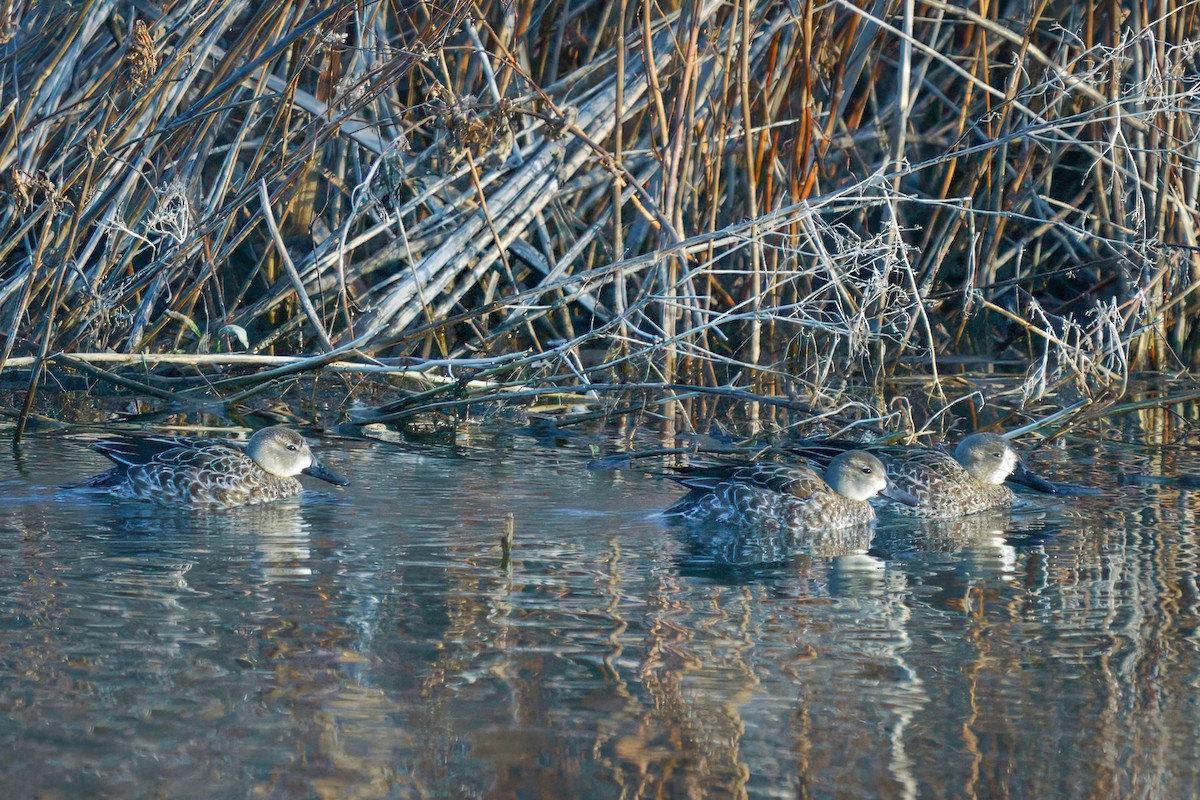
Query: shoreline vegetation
[783,214]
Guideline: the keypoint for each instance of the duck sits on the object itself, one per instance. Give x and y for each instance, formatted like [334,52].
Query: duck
[970,481]
[795,496]
[195,471]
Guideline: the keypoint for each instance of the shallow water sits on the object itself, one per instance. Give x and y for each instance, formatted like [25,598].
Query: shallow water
[367,642]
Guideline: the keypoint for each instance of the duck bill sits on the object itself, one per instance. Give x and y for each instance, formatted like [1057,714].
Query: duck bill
[319,470]
[898,495]
[1023,476]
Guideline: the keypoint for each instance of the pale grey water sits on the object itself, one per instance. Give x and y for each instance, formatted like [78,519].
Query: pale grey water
[366,642]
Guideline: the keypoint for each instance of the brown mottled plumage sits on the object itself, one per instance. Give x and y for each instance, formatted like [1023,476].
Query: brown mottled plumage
[970,481]
[780,495]
[209,472]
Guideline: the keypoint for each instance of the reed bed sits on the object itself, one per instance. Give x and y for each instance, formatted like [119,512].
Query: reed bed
[784,206]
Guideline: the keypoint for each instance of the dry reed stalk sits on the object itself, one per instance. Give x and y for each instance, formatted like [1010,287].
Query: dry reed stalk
[805,198]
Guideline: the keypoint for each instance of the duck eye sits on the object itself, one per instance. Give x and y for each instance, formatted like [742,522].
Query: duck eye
[867,470]
[292,447]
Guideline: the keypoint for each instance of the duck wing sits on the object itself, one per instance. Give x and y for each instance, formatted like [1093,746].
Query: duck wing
[895,457]
[798,480]
[821,450]
[130,450]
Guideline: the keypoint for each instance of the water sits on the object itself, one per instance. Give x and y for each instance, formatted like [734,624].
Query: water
[367,642]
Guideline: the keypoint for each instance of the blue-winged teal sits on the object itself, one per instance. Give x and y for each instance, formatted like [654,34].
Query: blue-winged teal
[794,496]
[970,481]
[212,472]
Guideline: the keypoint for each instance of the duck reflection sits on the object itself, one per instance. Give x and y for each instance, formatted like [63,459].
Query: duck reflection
[739,554]
[982,538]
[274,538]
[282,542]
[966,559]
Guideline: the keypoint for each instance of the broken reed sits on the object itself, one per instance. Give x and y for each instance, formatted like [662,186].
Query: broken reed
[804,199]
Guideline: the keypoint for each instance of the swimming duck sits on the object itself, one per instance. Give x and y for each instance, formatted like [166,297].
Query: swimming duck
[209,472]
[795,496]
[970,481]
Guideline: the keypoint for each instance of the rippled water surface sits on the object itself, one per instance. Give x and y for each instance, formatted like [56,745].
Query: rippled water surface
[368,642]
